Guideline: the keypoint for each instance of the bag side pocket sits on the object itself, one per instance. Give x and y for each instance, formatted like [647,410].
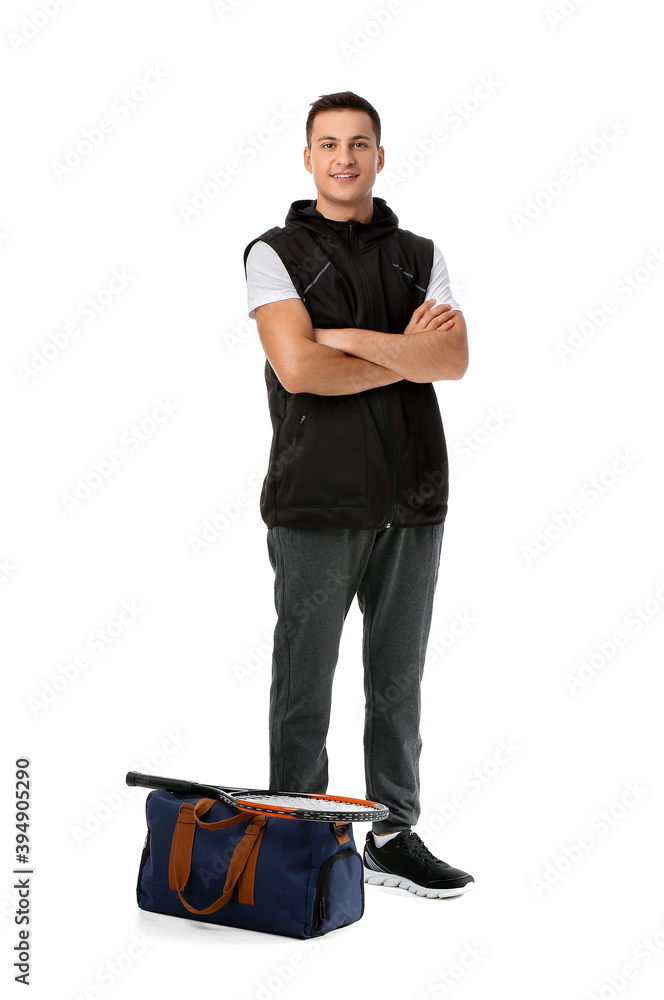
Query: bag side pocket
[144,857]
[339,893]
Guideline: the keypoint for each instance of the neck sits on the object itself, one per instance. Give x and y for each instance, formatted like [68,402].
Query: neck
[344,212]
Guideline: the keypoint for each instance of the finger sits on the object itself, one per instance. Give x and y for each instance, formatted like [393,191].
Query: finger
[436,311]
[441,322]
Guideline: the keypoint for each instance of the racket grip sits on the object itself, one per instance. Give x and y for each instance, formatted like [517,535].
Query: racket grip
[163,784]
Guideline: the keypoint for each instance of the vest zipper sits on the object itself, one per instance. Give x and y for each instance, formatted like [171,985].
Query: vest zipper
[372,318]
[365,277]
[395,487]
[300,431]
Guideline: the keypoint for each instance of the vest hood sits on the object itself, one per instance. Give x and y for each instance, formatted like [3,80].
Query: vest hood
[305,213]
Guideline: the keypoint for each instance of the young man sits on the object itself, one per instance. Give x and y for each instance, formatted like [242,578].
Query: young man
[357,321]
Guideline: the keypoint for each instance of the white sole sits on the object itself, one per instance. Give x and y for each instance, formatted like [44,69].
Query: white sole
[372,877]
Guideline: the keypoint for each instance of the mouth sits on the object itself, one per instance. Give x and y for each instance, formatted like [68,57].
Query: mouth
[344,178]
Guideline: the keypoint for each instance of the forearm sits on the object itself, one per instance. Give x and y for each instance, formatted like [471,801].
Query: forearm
[328,371]
[425,356]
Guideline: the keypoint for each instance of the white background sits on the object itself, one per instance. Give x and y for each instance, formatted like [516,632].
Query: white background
[194,659]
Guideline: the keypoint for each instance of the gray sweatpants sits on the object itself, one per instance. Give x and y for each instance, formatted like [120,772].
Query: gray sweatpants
[318,572]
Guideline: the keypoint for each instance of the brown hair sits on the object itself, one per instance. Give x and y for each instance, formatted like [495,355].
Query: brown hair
[346,100]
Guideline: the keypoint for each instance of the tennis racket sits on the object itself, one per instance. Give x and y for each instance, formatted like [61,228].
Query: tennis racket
[288,805]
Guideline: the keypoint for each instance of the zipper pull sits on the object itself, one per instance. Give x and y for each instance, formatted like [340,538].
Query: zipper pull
[321,910]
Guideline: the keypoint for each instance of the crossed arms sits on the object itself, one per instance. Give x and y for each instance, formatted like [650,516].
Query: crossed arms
[433,346]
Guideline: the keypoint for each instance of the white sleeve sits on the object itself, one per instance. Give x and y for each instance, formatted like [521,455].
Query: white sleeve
[439,282]
[267,278]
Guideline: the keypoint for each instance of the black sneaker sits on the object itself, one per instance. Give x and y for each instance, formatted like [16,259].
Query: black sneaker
[404,862]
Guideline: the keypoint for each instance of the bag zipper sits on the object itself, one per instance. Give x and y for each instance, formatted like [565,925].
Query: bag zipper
[321,889]
[144,857]
[372,319]
[300,431]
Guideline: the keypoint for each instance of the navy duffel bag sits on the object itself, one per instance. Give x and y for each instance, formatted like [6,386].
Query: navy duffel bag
[263,873]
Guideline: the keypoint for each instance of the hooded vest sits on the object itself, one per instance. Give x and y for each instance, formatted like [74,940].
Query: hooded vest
[370,459]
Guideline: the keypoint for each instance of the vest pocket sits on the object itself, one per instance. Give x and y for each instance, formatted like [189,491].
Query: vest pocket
[323,455]
[298,445]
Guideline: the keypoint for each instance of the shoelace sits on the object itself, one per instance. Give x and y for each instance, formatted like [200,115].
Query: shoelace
[415,845]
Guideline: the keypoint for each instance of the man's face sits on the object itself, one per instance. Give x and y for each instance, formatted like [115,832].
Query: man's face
[344,142]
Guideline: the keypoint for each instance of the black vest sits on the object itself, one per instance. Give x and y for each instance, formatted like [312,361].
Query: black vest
[369,459]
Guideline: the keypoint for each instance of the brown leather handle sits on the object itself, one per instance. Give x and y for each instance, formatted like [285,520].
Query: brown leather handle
[242,868]
[340,831]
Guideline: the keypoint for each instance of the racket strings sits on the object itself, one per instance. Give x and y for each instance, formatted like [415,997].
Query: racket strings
[303,802]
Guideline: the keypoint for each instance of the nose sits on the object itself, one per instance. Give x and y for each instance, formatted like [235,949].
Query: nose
[345,157]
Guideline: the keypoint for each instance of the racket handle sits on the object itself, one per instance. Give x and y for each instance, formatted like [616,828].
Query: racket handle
[163,784]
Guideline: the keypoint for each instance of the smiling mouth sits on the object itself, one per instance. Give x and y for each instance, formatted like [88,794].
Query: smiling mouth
[344,177]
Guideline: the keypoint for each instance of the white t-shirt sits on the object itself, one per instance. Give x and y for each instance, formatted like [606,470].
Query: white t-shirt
[269,281]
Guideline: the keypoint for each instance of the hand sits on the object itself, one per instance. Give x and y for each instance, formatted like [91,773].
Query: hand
[431,317]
